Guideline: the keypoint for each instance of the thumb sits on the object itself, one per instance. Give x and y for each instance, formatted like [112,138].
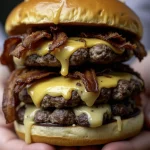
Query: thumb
[147,114]
[38,146]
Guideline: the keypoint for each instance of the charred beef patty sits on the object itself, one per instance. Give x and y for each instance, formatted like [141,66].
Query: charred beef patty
[100,54]
[123,90]
[39,47]
[67,117]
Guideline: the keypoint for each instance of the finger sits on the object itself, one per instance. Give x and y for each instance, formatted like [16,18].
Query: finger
[118,146]
[67,148]
[80,148]
[91,148]
[9,141]
[141,142]
[147,114]
[38,146]
[140,67]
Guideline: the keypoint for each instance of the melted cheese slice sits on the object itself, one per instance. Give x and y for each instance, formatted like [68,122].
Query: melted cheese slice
[95,117]
[119,122]
[64,52]
[61,86]
[90,42]
[95,114]
[29,121]
[19,62]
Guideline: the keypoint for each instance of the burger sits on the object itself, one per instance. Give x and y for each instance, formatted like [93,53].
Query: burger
[69,86]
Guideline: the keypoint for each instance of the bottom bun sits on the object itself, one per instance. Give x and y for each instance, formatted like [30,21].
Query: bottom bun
[83,136]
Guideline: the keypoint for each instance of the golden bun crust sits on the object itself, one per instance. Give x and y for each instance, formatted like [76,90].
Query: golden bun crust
[82,136]
[111,13]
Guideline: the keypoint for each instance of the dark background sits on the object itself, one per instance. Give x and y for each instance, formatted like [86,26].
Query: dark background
[5,7]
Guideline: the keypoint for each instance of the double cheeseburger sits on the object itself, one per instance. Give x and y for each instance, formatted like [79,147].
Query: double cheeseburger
[68,86]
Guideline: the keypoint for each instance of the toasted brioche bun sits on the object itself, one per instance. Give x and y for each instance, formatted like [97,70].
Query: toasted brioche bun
[82,136]
[111,13]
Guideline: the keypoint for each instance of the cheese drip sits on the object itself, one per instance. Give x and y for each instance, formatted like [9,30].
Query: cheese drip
[95,114]
[19,62]
[60,86]
[64,52]
[29,121]
[119,122]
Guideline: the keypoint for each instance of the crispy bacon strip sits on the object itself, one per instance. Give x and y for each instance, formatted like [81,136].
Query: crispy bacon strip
[114,39]
[119,42]
[9,45]
[18,51]
[110,36]
[88,78]
[17,81]
[59,39]
[31,39]
[28,77]
[28,43]
[9,100]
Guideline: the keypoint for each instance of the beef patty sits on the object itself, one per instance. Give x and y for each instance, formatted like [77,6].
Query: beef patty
[123,90]
[67,117]
[99,54]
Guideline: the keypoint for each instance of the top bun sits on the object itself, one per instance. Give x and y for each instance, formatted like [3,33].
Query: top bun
[111,13]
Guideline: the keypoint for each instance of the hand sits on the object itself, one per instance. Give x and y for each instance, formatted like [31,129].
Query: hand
[142,141]
[8,138]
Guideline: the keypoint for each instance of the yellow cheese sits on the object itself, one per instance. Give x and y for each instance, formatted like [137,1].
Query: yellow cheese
[74,43]
[29,121]
[19,63]
[90,42]
[119,122]
[95,117]
[64,52]
[95,114]
[42,49]
[60,86]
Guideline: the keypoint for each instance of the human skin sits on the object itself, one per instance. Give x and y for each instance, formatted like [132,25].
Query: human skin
[142,141]
[9,140]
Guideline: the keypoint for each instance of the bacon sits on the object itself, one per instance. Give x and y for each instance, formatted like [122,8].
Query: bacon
[17,81]
[119,42]
[114,39]
[18,51]
[29,42]
[31,39]
[88,78]
[9,45]
[28,77]
[59,39]
[9,99]
[110,36]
